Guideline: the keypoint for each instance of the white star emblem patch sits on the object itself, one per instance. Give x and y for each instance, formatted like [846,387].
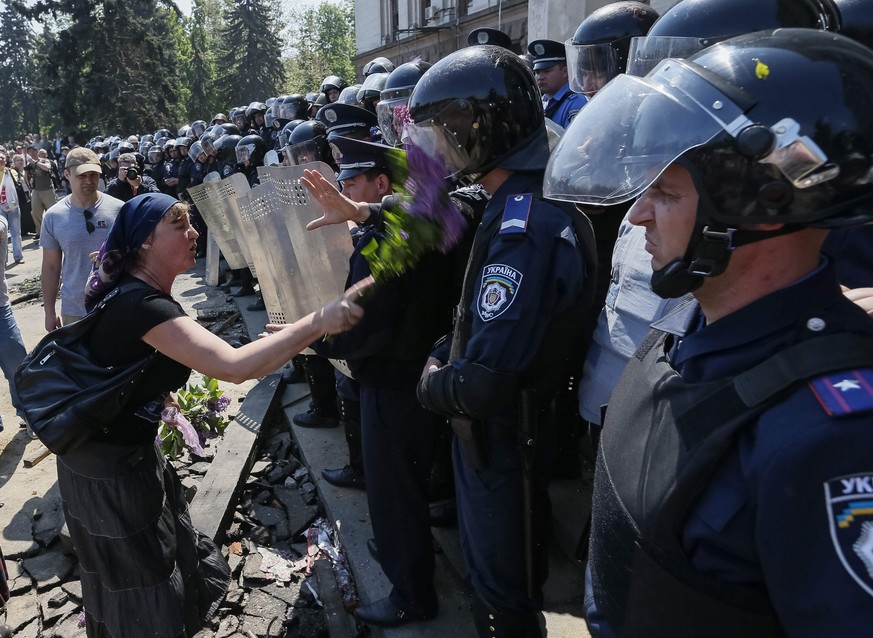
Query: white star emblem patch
[847,384]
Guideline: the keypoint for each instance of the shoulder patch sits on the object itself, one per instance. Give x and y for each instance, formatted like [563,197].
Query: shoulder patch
[500,284]
[850,516]
[515,214]
[844,393]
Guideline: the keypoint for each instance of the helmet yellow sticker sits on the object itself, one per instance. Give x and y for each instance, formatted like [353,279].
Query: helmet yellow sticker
[762,71]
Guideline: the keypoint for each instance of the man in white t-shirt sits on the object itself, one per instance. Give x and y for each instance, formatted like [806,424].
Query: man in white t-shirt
[72,229]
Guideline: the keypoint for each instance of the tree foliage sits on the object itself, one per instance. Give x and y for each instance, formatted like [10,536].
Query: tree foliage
[251,51]
[323,42]
[20,108]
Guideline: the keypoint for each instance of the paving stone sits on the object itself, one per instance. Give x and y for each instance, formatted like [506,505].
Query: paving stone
[260,467]
[74,589]
[300,515]
[31,630]
[68,628]
[56,598]
[300,475]
[48,569]
[268,516]
[201,467]
[47,527]
[19,580]
[262,604]
[262,627]
[21,610]
[289,594]
[227,627]
[309,493]
[18,538]
[51,615]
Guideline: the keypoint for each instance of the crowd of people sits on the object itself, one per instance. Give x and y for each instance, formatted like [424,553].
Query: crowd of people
[658,216]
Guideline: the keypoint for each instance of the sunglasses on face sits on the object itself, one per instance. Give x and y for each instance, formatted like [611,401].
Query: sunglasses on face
[89,225]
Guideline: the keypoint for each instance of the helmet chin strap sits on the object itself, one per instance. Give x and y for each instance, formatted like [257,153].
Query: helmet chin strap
[709,248]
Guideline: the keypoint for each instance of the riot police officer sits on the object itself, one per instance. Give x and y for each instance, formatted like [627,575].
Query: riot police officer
[738,438]
[519,328]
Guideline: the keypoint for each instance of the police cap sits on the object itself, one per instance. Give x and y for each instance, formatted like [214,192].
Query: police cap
[356,156]
[547,53]
[346,120]
[486,35]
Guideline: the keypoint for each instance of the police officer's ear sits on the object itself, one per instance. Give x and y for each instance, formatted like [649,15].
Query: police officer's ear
[384,184]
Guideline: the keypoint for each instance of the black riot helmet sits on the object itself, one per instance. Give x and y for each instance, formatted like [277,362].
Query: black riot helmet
[856,20]
[238,118]
[349,95]
[293,107]
[285,133]
[598,51]
[692,25]
[333,82]
[194,151]
[371,89]
[207,142]
[184,131]
[144,148]
[479,108]
[155,155]
[163,132]
[378,65]
[125,147]
[226,147]
[308,143]
[198,128]
[761,148]
[228,128]
[251,149]
[254,108]
[398,88]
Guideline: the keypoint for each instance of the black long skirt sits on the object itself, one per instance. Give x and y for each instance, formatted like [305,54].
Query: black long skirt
[146,572]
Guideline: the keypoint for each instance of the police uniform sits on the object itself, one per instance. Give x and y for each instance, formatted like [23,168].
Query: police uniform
[751,491]
[563,106]
[347,120]
[518,337]
[385,353]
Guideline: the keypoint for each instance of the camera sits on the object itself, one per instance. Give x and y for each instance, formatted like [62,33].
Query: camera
[132,173]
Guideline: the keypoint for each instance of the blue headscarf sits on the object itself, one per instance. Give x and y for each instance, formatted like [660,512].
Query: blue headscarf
[136,220]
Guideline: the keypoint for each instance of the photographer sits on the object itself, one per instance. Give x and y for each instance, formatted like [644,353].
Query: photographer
[130,181]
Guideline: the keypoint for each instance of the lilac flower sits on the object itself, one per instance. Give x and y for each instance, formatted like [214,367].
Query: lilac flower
[428,188]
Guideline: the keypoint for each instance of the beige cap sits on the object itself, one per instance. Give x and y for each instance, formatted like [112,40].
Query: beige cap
[82,160]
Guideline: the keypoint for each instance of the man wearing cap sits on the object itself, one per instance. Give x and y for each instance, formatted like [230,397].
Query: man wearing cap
[129,184]
[72,229]
[550,69]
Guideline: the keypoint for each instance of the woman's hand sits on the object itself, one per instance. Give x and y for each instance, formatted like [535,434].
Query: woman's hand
[343,312]
[336,208]
[862,297]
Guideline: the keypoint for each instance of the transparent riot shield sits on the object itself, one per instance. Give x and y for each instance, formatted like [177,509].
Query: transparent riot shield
[229,189]
[207,197]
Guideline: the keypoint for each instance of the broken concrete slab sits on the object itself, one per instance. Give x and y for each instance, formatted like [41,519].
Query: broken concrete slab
[48,569]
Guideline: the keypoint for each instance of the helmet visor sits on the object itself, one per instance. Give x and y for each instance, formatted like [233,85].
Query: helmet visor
[590,66]
[244,152]
[198,128]
[305,152]
[389,124]
[445,135]
[646,52]
[269,117]
[635,127]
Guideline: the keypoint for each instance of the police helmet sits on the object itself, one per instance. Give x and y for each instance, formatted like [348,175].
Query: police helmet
[285,133]
[371,88]
[181,142]
[692,25]
[293,107]
[856,20]
[169,145]
[219,118]
[148,137]
[254,108]
[155,155]
[479,108]
[198,128]
[184,131]
[144,147]
[740,117]
[349,95]
[598,51]
[238,118]
[163,132]
[251,149]
[194,151]
[333,82]
[125,147]
[398,87]
[308,143]
[226,147]
[228,128]
[378,65]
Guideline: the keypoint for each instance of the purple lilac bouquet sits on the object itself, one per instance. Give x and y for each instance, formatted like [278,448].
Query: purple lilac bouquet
[198,419]
[425,220]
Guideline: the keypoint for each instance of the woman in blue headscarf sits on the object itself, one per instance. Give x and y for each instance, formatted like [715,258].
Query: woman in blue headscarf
[145,571]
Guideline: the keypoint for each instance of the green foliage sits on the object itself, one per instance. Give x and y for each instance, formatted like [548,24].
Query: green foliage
[250,53]
[322,42]
[202,406]
[17,75]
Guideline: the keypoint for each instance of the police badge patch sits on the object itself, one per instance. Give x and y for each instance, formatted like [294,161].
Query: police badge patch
[499,286]
[850,512]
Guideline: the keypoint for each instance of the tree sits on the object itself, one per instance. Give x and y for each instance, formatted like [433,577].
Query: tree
[20,112]
[250,59]
[206,20]
[324,44]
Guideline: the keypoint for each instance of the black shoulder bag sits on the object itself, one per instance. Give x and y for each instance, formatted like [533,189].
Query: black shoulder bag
[65,396]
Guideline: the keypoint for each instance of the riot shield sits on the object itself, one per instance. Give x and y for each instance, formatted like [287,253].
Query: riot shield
[322,254]
[229,189]
[206,197]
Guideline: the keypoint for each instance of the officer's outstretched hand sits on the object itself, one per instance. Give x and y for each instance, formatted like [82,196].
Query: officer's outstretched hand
[336,208]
